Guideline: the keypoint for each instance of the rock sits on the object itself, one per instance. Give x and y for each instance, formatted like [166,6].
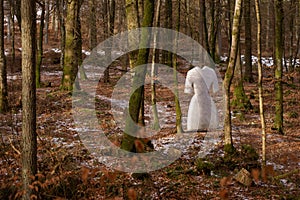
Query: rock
[243,177]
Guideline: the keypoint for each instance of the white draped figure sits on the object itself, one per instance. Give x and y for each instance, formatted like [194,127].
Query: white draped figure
[202,113]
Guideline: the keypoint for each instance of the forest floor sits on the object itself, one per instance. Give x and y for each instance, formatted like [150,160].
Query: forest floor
[66,170]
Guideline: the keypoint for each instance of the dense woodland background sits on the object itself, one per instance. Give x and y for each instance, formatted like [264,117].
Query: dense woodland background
[255,45]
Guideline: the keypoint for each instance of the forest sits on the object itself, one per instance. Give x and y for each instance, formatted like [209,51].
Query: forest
[149,99]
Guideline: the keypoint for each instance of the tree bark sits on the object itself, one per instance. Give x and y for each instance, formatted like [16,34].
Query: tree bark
[174,64]
[260,85]
[12,14]
[138,79]
[167,56]
[248,42]
[156,125]
[40,48]
[132,23]
[3,78]
[72,57]
[92,26]
[60,6]
[47,20]
[29,141]
[230,72]
[278,123]
[240,100]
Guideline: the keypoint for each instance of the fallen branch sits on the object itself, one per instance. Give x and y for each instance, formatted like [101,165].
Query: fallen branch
[287,174]
[13,147]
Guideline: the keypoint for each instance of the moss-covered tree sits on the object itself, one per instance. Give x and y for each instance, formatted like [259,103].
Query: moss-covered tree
[279,46]
[240,100]
[174,64]
[72,56]
[138,80]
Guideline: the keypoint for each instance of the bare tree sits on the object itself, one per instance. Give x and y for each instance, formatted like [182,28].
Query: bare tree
[229,74]
[29,141]
[248,42]
[156,125]
[40,45]
[136,98]
[3,79]
[92,24]
[260,86]
[278,123]
[72,55]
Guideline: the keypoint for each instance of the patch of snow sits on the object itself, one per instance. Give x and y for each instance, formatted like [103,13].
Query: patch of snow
[13,77]
[86,52]
[54,73]
[276,166]
[284,181]
[224,58]
[56,50]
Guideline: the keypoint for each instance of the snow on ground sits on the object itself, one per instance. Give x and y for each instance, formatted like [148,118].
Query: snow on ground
[266,61]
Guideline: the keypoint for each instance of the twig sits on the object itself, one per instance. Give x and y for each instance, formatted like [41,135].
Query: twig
[13,147]
[287,174]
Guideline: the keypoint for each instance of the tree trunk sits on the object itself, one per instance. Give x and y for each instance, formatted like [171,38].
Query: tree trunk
[229,74]
[278,123]
[229,24]
[138,80]
[167,56]
[72,46]
[47,20]
[92,26]
[248,42]
[12,14]
[3,78]
[268,26]
[205,29]
[17,4]
[213,29]
[60,7]
[260,86]
[132,23]
[174,64]
[240,100]
[109,27]
[40,48]
[156,125]
[29,141]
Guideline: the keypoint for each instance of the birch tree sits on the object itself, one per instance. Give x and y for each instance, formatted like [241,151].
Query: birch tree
[260,86]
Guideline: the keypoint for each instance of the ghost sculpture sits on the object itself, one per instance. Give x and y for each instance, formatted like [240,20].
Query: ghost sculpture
[202,112]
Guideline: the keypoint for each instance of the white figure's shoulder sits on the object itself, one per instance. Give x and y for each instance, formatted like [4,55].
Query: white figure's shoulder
[208,69]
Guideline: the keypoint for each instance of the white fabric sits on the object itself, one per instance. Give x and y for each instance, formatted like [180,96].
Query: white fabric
[202,113]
